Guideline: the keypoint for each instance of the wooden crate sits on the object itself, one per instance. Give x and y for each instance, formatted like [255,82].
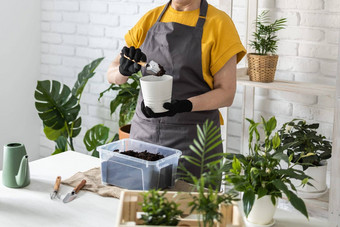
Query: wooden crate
[130,208]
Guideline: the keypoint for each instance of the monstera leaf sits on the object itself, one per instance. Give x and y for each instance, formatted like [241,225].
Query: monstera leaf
[61,145]
[95,137]
[84,76]
[56,104]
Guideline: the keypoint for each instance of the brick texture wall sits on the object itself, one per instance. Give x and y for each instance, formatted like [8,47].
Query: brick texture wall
[75,32]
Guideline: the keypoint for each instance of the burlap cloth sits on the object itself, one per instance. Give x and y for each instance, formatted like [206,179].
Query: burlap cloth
[94,184]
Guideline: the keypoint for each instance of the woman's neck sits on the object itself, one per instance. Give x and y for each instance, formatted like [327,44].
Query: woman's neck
[185,5]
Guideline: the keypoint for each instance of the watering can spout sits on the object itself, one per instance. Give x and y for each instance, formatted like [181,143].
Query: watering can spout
[23,172]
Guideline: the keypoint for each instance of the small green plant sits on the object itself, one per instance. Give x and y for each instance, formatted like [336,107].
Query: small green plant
[209,198]
[126,98]
[265,39]
[58,107]
[159,210]
[96,136]
[260,173]
[307,147]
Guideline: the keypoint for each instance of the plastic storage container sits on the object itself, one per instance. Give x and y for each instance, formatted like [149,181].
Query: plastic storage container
[137,174]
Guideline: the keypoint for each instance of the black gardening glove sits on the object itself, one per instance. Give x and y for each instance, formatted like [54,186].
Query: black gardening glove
[128,67]
[176,106]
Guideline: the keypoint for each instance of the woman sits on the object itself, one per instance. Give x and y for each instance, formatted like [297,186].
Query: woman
[199,46]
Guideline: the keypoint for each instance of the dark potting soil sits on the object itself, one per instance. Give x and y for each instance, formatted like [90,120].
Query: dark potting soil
[142,155]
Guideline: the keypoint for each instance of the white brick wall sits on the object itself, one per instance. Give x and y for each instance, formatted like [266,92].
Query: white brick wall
[78,31]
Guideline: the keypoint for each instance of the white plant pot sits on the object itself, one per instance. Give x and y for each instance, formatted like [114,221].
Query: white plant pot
[318,173]
[263,211]
[156,91]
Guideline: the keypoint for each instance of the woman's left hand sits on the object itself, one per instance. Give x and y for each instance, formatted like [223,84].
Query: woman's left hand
[176,106]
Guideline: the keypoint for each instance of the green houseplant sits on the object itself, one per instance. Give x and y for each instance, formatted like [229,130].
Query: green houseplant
[158,210]
[262,63]
[308,150]
[208,200]
[260,175]
[58,107]
[126,98]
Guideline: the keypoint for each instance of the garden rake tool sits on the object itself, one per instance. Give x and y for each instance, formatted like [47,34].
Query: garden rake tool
[55,193]
[152,67]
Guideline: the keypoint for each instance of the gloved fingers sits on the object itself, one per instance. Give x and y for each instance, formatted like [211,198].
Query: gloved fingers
[144,110]
[132,52]
[167,106]
[136,67]
[149,112]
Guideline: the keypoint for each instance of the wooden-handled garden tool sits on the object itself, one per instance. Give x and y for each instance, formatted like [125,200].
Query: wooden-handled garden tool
[71,196]
[55,193]
[152,67]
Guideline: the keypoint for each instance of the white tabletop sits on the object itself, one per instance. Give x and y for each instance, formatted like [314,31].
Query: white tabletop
[32,206]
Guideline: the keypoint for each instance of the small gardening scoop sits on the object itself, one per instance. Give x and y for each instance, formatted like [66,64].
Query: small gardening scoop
[71,196]
[152,67]
[55,193]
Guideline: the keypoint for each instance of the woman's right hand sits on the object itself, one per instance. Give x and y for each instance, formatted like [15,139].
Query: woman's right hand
[128,67]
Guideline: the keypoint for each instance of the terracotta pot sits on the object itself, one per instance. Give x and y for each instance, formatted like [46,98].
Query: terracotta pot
[124,132]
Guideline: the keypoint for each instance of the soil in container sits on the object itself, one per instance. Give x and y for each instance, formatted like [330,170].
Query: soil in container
[145,155]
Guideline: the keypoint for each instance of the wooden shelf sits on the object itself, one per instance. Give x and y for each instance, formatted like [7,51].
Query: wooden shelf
[290,86]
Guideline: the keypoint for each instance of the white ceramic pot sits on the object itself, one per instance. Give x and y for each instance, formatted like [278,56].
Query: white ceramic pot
[318,173]
[263,211]
[156,91]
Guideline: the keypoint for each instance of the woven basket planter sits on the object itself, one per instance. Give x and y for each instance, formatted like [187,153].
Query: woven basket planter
[261,68]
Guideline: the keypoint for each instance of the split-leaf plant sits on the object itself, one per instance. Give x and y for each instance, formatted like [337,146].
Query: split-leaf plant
[126,98]
[58,107]
[260,173]
[307,147]
[158,210]
[209,198]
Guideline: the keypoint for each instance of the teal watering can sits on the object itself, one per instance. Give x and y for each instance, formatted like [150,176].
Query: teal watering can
[15,173]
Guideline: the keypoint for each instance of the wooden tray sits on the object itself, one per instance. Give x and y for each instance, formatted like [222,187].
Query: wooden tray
[130,209]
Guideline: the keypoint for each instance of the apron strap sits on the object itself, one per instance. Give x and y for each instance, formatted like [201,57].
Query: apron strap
[201,18]
[162,13]
[203,14]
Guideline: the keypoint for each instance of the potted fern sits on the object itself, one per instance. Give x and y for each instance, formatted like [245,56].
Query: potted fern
[309,152]
[260,177]
[262,63]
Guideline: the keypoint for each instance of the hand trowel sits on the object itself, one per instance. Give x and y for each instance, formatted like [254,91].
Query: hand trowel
[72,195]
[152,67]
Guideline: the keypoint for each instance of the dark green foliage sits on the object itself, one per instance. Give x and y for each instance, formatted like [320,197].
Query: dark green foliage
[159,210]
[307,147]
[126,98]
[260,173]
[209,197]
[58,107]
[265,39]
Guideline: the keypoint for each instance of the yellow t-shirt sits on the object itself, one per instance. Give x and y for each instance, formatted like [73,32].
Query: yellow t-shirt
[220,40]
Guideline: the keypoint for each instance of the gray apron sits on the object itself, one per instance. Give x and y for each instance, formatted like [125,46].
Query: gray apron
[177,48]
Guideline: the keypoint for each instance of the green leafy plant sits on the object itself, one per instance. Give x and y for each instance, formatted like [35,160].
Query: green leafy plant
[209,197]
[126,98]
[96,136]
[58,107]
[260,173]
[159,210]
[307,147]
[265,39]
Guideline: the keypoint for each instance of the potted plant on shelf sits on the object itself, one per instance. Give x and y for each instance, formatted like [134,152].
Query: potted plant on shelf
[260,177]
[308,151]
[262,63]
[127,100]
